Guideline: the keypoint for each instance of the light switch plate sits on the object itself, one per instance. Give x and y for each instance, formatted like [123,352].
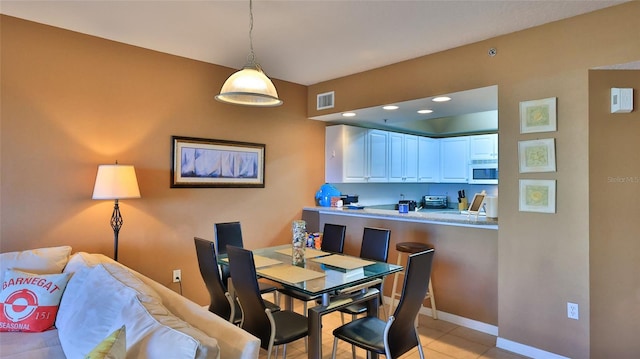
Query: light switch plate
[621,100]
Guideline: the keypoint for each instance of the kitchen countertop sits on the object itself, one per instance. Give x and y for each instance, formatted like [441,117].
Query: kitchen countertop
[445,216]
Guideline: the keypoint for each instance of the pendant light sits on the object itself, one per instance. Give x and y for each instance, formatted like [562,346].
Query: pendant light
[250,86]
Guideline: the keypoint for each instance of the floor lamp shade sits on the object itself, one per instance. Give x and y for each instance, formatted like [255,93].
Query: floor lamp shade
[116,182]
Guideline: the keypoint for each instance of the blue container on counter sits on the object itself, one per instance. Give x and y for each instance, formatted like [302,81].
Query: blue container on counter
[323,196]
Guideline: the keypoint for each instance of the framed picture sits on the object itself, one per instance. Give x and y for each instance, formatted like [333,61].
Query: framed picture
[538,115]
[538,196]
[537,155]
[200,162]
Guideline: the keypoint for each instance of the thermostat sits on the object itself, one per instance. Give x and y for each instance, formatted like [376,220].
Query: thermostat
[621,100]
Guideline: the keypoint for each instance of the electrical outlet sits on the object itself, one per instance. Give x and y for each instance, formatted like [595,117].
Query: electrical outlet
[572,311]
[177,275]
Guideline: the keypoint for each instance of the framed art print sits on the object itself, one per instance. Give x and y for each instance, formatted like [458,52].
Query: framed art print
[537,155]
[538,115]
[200,162]
[537,196]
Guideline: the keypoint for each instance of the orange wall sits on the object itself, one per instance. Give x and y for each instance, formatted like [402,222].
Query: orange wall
[543,259]
[614,188]
[72,101]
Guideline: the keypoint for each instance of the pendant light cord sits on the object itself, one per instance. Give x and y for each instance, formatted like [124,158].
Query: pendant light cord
[251,60]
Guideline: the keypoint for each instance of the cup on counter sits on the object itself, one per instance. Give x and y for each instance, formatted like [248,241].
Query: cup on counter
[403,208]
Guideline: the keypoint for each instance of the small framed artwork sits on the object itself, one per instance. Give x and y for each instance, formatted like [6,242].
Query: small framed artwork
[201,162]
[537,155]
[538,115]
[537,196]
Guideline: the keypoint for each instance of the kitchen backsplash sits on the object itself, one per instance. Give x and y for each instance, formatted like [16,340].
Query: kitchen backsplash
[371,194]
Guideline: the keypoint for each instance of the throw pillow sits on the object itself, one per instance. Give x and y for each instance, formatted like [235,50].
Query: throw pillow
[42,260]
[112,347]
[29,302]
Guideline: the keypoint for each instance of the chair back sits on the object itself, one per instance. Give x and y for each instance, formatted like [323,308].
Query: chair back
[245,283]
[229,233]
[375,244]
[402,333]
[208,263]
[333,238]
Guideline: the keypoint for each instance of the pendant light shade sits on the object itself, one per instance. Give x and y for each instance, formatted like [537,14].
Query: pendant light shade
[250,86]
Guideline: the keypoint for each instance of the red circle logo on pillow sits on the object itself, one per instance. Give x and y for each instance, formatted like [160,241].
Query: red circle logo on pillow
[20,305]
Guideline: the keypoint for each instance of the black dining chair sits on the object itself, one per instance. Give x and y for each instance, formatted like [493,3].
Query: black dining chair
[397,335]
[222,302]
[230,234]
[332,241]
[273,328]
[333,238]
[375,246]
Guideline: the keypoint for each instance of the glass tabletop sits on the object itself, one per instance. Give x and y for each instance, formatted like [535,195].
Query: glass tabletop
[313,277]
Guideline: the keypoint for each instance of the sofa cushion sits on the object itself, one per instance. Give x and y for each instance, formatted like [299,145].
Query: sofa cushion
[111,296]
[29,302]
[112,347]
[41,261]
[16,345]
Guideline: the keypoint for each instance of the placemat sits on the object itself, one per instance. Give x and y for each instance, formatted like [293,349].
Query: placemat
[260,261]
[341,261]
[290,274]
[308,252]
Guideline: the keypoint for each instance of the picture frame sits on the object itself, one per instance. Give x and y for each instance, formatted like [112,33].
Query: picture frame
[537,196]
[537,155]
[538,115]
[208,163]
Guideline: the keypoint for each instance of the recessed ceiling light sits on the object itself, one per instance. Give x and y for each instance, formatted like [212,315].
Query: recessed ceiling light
[390,107]
[425,111]
[348,114]
[441,99]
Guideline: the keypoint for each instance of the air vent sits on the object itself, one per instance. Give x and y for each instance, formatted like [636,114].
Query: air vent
[325,100]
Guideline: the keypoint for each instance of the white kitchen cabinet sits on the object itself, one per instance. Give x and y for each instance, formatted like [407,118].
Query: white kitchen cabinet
[483,147]
[454,159]
[428,159]
[355,155]
[403,157]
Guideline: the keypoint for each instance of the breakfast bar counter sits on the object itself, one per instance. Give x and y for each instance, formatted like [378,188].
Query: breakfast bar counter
[443,217]
[465,265]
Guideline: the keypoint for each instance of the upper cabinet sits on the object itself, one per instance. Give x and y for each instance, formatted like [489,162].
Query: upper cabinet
[361,155]
[403,157]
[454,159]
[354,154]
[428,159]
[483,147]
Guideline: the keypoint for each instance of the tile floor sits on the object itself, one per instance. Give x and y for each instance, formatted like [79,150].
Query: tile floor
[440,340]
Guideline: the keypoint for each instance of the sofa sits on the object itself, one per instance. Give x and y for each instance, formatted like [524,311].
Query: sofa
[61,305]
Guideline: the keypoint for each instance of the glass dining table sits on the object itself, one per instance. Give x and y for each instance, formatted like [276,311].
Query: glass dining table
[339,280]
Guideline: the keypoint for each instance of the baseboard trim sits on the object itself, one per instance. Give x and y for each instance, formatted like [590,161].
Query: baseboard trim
[501,343]
[526,350]
[456,319]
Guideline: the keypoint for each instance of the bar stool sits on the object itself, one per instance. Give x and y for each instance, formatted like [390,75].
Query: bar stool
[410,248]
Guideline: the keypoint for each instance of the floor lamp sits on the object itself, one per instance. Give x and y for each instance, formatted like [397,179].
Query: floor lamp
[116,182]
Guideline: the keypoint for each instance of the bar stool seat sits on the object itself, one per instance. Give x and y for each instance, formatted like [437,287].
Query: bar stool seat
[410,248]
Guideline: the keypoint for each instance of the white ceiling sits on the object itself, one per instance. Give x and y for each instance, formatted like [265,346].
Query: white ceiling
[301,41]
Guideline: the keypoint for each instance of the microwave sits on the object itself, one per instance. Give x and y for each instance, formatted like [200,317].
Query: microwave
[483,173]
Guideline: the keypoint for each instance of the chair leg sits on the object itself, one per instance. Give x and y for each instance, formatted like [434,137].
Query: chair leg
[342,317]
[284,351]
[420,351]
[335,348]
[434,312]
[395,284]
